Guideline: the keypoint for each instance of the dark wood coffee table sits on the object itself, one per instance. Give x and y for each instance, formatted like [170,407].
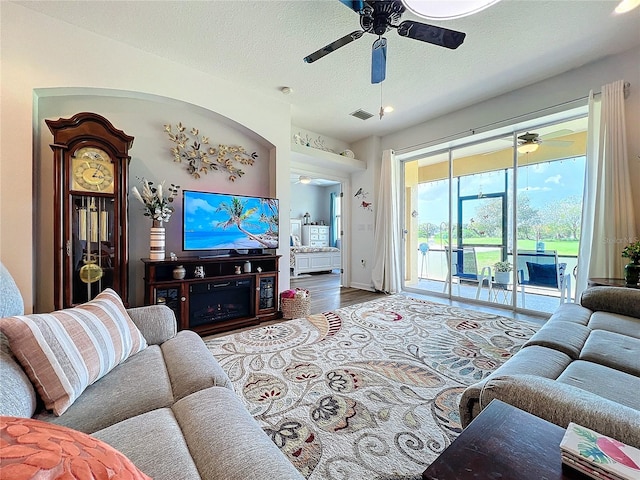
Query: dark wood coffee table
[504,443]
[609,282]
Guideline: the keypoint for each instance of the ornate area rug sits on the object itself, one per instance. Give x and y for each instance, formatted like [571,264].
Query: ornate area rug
[366,391]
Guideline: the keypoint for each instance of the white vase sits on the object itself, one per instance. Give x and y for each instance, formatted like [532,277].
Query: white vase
[157,241]
[503,278]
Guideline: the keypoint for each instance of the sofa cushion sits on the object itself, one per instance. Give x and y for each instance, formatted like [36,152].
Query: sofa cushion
[35,449]
[613,322]
[612,384]
[560,403]
[136,386]
[157,323]
[11,302]
[571,312]
[65,351]
[193,372]
[620,300]
[215,420]
[533,360]
[154,442]
[566,337]
[613,350]
[17,396]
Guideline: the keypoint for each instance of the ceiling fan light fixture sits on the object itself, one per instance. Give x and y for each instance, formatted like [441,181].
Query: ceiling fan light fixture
[304,179]
[626,6]
[446,9]
[388,109]
[528,147]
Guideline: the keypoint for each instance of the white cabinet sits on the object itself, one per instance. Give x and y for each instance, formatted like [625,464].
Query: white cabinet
[315,235]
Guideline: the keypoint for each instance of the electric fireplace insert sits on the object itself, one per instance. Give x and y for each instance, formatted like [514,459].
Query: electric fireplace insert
[218,301]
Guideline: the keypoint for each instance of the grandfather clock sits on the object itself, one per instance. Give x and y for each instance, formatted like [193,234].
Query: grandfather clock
[91,171]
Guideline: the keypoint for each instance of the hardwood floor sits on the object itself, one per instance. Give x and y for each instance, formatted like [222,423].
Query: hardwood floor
[326,293]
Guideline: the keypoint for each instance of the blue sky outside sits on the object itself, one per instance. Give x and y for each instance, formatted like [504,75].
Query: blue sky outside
[545,184]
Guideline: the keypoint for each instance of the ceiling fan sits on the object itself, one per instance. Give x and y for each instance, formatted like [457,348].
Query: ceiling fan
[377,18]
[529,142]
[303,179]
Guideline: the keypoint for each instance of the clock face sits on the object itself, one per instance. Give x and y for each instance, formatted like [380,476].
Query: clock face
[92,171]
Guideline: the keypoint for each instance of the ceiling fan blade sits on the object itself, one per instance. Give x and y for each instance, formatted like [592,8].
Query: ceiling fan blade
[442,37]
[379,60]
[341,42]
[355,5]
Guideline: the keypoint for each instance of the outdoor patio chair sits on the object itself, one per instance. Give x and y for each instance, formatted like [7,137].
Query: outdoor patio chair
[541,269]
[465,268]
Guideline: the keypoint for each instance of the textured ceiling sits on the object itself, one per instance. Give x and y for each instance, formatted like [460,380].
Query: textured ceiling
[261,44]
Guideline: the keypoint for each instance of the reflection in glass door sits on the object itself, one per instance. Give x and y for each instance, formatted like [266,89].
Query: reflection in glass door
[457,223]
[467,208]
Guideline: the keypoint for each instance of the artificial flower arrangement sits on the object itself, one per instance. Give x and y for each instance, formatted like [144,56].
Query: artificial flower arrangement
[155,202]
[297,293]
[502,267]
[632,252]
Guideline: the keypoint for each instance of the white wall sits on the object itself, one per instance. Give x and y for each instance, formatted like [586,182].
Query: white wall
[363,219]
[38,52]
[315,200]
[308,199]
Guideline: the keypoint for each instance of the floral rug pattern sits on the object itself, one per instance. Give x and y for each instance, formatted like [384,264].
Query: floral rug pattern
[366,391]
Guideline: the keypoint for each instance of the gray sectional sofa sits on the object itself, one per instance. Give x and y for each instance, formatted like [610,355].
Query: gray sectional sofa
[582,366]
[169,408]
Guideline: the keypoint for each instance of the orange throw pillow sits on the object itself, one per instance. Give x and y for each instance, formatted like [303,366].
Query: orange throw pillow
[31,449]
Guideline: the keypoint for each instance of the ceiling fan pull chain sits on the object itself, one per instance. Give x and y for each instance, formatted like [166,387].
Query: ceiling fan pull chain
[381,103]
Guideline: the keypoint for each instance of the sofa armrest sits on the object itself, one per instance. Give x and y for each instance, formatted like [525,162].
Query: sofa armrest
[156,322]
[560,403]
[469,406]
[620,300]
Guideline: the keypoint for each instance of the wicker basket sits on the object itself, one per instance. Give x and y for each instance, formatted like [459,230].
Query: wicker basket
[295,307]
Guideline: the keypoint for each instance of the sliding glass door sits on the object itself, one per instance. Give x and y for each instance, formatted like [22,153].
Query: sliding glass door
[473,206]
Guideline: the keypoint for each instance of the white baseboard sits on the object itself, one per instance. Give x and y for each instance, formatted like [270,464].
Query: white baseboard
[362,286]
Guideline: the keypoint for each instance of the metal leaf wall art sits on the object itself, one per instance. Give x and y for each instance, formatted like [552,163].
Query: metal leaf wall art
[200,157]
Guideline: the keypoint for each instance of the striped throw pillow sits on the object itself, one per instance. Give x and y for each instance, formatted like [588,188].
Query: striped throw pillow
[66,351]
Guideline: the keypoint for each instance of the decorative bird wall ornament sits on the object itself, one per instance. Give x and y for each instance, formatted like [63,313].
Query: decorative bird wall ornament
[361,193]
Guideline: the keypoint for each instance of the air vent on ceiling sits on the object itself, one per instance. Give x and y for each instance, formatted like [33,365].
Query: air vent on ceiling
[361,114]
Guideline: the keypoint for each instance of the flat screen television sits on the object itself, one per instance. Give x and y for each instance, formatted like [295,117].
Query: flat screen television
[220,221]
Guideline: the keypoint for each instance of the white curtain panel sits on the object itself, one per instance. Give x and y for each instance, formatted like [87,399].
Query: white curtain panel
[608,221]
[386,248]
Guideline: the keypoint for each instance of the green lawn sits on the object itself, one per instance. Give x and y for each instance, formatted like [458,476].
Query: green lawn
[563,247]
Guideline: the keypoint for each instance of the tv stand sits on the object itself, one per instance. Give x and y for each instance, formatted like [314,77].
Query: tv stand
[220,300]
